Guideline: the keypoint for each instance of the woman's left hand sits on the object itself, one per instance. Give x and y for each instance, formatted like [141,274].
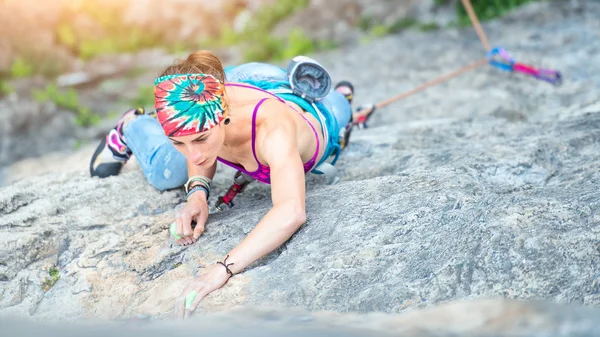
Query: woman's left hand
[213,278]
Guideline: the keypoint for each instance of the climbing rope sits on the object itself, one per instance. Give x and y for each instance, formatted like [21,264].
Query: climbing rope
[431,83]
[476,24]
[496,57]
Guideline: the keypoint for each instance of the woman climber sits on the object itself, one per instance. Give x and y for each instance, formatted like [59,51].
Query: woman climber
[273,125]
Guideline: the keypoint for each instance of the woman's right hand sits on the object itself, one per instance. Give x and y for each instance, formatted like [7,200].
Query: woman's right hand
[195,209]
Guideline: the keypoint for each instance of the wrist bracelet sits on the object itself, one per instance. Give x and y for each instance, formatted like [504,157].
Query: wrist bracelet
[226,265]
[204,182]
[196,184]
[196,189]
[193,179]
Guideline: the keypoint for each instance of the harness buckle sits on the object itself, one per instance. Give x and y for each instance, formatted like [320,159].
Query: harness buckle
[499,58]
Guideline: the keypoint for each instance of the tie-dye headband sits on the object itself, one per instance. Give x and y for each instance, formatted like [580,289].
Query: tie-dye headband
[187,104]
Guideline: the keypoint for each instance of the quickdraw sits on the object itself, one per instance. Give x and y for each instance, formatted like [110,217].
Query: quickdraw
[499,58]
[240,181]
[362,118]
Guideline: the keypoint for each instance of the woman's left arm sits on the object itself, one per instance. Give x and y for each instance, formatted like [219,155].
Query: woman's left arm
[278,147]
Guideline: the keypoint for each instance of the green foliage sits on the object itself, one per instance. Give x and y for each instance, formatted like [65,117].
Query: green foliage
[5,88]
[397,26]
[268,17]
[228,37]
[484,9]
[380,30]
[427,27]
[85,117]
[144,98]
[401,25]
[111,35]
[366,39]
[135,39]
[269,48]
[326,44]
[65,34]
[68,100]
[365,23]
[256,38]
[36,61]
[107,33]
[64,99]
[134,72]
[297,44]
[49,282]
[21,68]
[77,144]
[112,114]
[54,273]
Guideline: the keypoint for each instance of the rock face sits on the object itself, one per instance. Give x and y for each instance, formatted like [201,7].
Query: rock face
[29,128]
[338,21]
[485,186]
[484,317]
[322,20]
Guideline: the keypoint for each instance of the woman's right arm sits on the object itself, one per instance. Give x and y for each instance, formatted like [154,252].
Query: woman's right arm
[196,208]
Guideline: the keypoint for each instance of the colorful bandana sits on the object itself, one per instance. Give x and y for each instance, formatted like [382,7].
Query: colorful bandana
[187,104]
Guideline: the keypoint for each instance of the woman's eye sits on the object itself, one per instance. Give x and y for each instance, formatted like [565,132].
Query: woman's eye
[199,140]
[177,144]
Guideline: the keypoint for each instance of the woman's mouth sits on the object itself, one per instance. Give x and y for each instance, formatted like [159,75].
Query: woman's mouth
[201,163]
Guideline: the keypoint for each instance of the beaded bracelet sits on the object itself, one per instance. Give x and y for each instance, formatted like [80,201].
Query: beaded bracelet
[199,184]
[194,179]
[200,179]
[196,189]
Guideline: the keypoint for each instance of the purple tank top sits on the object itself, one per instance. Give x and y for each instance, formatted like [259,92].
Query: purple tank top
[263,173]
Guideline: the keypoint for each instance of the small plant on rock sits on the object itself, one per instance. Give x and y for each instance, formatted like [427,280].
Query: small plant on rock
[54,274]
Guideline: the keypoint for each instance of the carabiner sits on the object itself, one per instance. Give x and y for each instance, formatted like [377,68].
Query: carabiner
[551,76]
[499,58]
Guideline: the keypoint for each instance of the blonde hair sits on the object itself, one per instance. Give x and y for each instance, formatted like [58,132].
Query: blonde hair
[198,62]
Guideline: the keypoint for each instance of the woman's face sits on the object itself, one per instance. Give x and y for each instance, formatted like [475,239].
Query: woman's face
[202,148]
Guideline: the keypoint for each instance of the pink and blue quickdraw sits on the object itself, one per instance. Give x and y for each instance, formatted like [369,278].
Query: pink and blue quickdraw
[499,58]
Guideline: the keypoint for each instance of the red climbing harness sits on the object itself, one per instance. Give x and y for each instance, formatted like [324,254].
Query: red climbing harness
[240,181]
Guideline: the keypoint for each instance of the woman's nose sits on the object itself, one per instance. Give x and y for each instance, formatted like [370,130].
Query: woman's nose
[196,156]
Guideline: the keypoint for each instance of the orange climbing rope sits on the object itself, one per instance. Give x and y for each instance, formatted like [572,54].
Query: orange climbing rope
[476,25]
[431,83]
[361,116]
